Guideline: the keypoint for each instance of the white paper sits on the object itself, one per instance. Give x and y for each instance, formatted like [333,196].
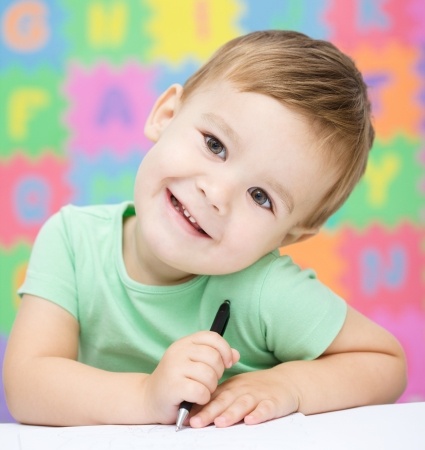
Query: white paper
[389,427]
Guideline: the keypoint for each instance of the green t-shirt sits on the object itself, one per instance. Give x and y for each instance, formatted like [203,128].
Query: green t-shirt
[278,311]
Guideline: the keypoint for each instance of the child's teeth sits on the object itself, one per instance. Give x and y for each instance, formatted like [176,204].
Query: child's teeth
[180,207]
[187,215]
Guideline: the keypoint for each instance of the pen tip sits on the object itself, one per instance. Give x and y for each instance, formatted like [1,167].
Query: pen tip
[177,428]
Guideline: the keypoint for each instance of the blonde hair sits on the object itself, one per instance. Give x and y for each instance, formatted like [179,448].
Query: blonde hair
[315,79]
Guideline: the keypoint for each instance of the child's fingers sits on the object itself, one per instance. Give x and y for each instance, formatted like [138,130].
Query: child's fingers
[265,410]
[203,374]
[236,355]
[208,356]
[215,408]
[248,409]
[217,342]
[196,391]
[245,407]
[237,410]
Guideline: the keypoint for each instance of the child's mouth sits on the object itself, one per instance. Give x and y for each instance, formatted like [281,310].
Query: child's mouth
[186,214]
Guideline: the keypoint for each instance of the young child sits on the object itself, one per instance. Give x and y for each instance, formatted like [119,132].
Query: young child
[255,152]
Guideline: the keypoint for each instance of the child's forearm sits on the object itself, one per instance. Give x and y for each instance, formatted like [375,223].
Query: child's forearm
[45,384]
[63,392]
[342,381]
[364,365]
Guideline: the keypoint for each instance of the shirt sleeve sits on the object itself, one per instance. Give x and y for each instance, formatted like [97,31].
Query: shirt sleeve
[300,315]
[50,272]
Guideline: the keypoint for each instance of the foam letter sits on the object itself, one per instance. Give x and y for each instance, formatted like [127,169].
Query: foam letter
[33,198]
[107,25]
[115,104]
[25,27]
[23,105]
[375,273]
[379,177]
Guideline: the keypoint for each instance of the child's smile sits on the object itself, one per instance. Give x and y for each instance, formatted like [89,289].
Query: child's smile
[184,212]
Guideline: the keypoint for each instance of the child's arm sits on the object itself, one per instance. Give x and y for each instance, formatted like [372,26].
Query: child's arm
[364,365]
[46,385]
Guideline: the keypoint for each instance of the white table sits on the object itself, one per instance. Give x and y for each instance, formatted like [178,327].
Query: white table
[384,427]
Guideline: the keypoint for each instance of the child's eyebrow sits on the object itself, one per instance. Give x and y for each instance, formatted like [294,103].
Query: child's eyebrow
[218,122]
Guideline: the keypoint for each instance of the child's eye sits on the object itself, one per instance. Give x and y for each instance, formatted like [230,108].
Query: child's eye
[216,147]
[260,197]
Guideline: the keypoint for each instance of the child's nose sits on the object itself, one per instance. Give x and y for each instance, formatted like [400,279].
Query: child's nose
[217,193]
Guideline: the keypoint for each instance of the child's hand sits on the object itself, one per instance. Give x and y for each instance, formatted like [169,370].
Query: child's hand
[189,370]
[253,397]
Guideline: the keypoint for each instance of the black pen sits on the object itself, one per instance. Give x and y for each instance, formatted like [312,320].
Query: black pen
[219,326]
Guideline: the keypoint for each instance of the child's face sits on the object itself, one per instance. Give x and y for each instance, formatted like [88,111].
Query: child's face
[230,176]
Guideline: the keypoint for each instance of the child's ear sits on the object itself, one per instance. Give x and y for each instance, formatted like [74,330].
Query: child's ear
[299,234]
[163,111]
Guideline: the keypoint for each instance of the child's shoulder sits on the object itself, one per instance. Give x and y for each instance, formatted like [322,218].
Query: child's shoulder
[72,220]
[101,212]
[272,270]
[274,263]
